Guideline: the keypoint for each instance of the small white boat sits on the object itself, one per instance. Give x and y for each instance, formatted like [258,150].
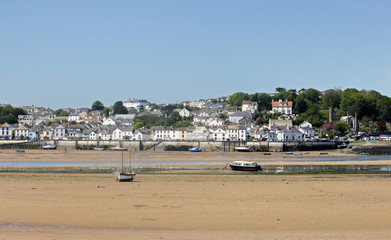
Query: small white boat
[49,147]
[118,148]
[98,149]
[242,149]
[126,176]
[195,149]
[244,166]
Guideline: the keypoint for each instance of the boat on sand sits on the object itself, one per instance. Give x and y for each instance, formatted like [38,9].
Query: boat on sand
[242,149]
[195,149]
[244,166]
[126,176]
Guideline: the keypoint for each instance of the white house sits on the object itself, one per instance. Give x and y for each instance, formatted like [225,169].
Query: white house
[108,121]
[105,135]
[236,133]
[21,132]
[198,134]
[26,119]
[249,106]
[214,122]
[218,135]
[199,120]
[47,133]
[183,112]
[236,117]
[271,136]
[136,103]
[290,134]
[117,134]
[5,131]
[60,132]
[140,135]
[73,117]
[284,107]
[162,133]
[305,124]
[279,124]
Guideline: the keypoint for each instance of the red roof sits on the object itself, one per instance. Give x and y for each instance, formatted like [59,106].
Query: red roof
[282,104]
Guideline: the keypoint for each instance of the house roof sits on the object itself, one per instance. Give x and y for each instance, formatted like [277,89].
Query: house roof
[282,104]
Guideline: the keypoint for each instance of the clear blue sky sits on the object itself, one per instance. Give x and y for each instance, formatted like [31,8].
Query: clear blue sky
[70,53]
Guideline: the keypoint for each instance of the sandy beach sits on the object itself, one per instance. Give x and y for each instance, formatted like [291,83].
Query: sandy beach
[191,206]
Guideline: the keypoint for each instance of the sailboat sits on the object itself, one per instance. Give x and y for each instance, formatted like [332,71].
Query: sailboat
[126,176]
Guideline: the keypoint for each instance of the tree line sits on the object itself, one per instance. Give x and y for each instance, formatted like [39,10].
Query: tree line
[372,108]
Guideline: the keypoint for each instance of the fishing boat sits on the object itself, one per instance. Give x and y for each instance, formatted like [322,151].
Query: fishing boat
[118,148]
[242,149]
[49,147]
[195,149]
[244,166]
[126,176]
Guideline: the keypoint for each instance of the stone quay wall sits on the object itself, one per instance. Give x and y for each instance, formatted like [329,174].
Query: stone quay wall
[208,146]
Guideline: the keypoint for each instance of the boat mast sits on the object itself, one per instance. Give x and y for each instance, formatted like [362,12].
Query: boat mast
[122,160]
[130,160]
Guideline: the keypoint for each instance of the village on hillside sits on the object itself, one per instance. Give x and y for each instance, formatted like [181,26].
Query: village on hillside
[207,120]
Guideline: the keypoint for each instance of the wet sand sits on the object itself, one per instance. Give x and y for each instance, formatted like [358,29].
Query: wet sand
[191,206]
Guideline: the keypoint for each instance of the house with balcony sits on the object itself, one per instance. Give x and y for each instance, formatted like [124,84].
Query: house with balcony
[283,107]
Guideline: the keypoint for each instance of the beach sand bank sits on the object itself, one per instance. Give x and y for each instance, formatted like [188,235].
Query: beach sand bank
[174,206]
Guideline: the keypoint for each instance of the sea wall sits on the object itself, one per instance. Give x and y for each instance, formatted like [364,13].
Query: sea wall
[209,146]
[373,149]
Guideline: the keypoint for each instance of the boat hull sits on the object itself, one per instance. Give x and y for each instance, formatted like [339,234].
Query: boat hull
[195,149]
[49,147]
[126,177]
[242,149]
[243,168]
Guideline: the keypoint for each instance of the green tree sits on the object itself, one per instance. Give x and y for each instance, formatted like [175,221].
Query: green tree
[284,95]
[139,125]
[264,101]
[106,112]
[61,113]
[237,99]
[300,105]
[342,128]
[168,109]
[383,106]
[10,115]
[119,108]
[332,98]
[280,89]
[97,105]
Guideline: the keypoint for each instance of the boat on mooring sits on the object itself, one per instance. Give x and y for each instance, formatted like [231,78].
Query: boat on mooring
[126,176]
[244,166]
[49,147]
[195,149]
[118,148]
[242,149]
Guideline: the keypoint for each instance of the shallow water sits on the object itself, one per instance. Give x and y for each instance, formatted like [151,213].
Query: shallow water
[23,226]
[210,160]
